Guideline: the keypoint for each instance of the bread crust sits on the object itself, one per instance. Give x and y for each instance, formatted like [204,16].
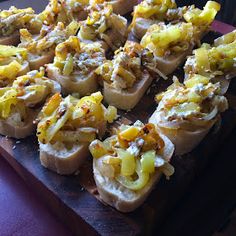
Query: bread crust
[184,140]
[66,162]
[123,7]
[61,163]
[21,131]
[13,39]
[36,62]
[141,25]
[121,198]
[73,84]
[127,99]
[169,64]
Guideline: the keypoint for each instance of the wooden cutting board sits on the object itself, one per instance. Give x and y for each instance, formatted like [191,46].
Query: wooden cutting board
[74,199]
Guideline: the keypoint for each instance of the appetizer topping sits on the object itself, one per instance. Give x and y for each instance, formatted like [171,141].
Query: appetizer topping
[126,67]
[164,40]
[63,11]
[33,88]
[74,7]
[27,91]
[197,100]
[153,9]
[11,59]
[132,155]
[226,39]
[73,120]
[53,13]
[202,18]
[100,22]
[48,38]
[15,19]
[216,60]
[74,57]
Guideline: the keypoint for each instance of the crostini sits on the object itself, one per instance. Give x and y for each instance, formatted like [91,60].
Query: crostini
[74,66]
[67,126]
[64,11]
[148,13]
[102,25]
[127,165]
[170,44]
[186,112]
[41,47]
[216,61]
[13,63]
[20,103]
[124,79]
[120,7]
[12,20]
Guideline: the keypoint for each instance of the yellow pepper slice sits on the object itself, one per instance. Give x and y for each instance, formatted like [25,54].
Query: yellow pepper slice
[148,162]
[128,162]
[137,184]
[97,149]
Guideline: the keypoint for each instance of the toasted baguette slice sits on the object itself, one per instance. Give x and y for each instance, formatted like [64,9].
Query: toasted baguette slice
[141,26]
[36,61]
[184,140]
[13,39]
[123,7]
[113,38]
[62,160]
[227,38]
[107,41]
[121,198]
[26,128]
[170,63]
[75,83]
[127,99]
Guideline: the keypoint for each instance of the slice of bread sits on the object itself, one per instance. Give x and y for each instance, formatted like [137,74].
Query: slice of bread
[127,99]
[123,7]
[141,25]
[185,140]
[13,39]
[75,83]
[10,129]
[122,198]
[112,38]
[64,161]
[170,63]
[36,61]
[61,160]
